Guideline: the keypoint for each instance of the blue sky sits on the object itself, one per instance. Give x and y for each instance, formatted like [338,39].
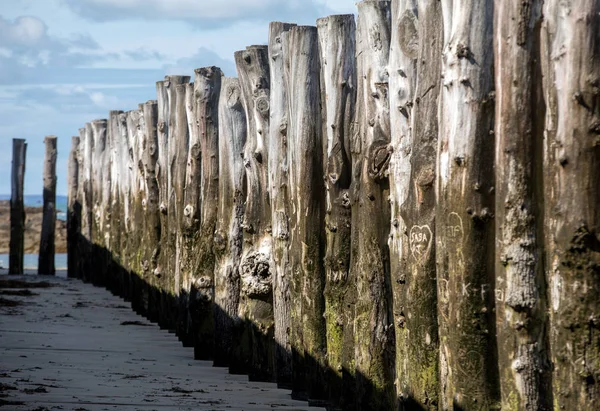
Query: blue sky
[66,62]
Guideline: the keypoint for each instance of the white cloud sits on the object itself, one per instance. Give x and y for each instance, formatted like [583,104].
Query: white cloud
[210,13]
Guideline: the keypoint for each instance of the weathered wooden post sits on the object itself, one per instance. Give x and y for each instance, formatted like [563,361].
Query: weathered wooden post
[228,233]
[338,98]
[150,241]
[46,254]
[306,194]
[17,208]
[100,187]
[256,349]
[571,166]
[521,313]
[415,65]
[86,196]
[204,185]
[278,192]
[370,266]
[74,210]
[465,209]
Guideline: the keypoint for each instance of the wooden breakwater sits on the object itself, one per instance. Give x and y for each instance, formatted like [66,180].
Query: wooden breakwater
[400,210]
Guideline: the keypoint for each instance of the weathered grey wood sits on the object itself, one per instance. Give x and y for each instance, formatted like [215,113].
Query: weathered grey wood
[337,40]
[465,209]
[256,300]
[228,231]
[17,208]
[279,195]
[521,313]
[47,238]
[306,193]
[87,204]
[150,241]
[415,65]
[73,210]
[570,47]
[370,266]
[100,187]
[207,88]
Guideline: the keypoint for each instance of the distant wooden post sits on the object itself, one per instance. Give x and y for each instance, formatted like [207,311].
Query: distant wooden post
[17,208]
[73,210]
[46,256]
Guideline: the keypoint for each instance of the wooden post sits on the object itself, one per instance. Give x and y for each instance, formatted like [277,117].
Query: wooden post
[100,185]
[371,211]
[415,65]
[204,185]
[306,192]
[278,191]
[150,241]
[46,254]
[256,301]
[338,98]
[228,233]
[465,209]
[74,210]
[87,204]
[571,166]
[521,318]
[17,208]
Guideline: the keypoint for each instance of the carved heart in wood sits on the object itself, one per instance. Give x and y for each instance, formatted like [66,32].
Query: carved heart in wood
[420,239]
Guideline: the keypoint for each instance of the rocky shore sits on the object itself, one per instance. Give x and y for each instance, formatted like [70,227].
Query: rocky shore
[33,228]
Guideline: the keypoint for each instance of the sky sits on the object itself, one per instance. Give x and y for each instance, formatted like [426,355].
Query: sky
[67,62]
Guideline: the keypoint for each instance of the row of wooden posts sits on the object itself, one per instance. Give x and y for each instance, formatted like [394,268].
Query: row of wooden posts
[17,209]
[402,211]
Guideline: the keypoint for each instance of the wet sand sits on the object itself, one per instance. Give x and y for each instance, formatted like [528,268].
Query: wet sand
[73,346]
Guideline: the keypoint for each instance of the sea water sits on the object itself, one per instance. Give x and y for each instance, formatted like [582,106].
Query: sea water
[38,201]
[30,261]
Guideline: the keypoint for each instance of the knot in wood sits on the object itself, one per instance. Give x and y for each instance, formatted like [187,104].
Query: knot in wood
[262,105]
[188,211]
[161,126]
[379,160]
[256,276]
[163,208]
[233,96]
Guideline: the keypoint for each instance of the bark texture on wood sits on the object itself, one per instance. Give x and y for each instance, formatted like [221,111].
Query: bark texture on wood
[150,242]
[278,192]
[338,93]
[256,301]
[73,210]
[370,266]
[17,208]
[46,254]
[521,318]
[571,166]
[207,89]
[306,189]
[465,209]
[415,65]
[100,187]
[228,233]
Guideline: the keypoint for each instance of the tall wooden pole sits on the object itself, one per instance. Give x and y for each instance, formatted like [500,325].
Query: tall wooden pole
[305,164]
[256,300]
[73,210]
[465,209]
[228,237]
[370,266]
[46,254]
[521,309]
[338,97]
[571,166]
[415,66]
[279,193]
[204,185]
[17,208]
